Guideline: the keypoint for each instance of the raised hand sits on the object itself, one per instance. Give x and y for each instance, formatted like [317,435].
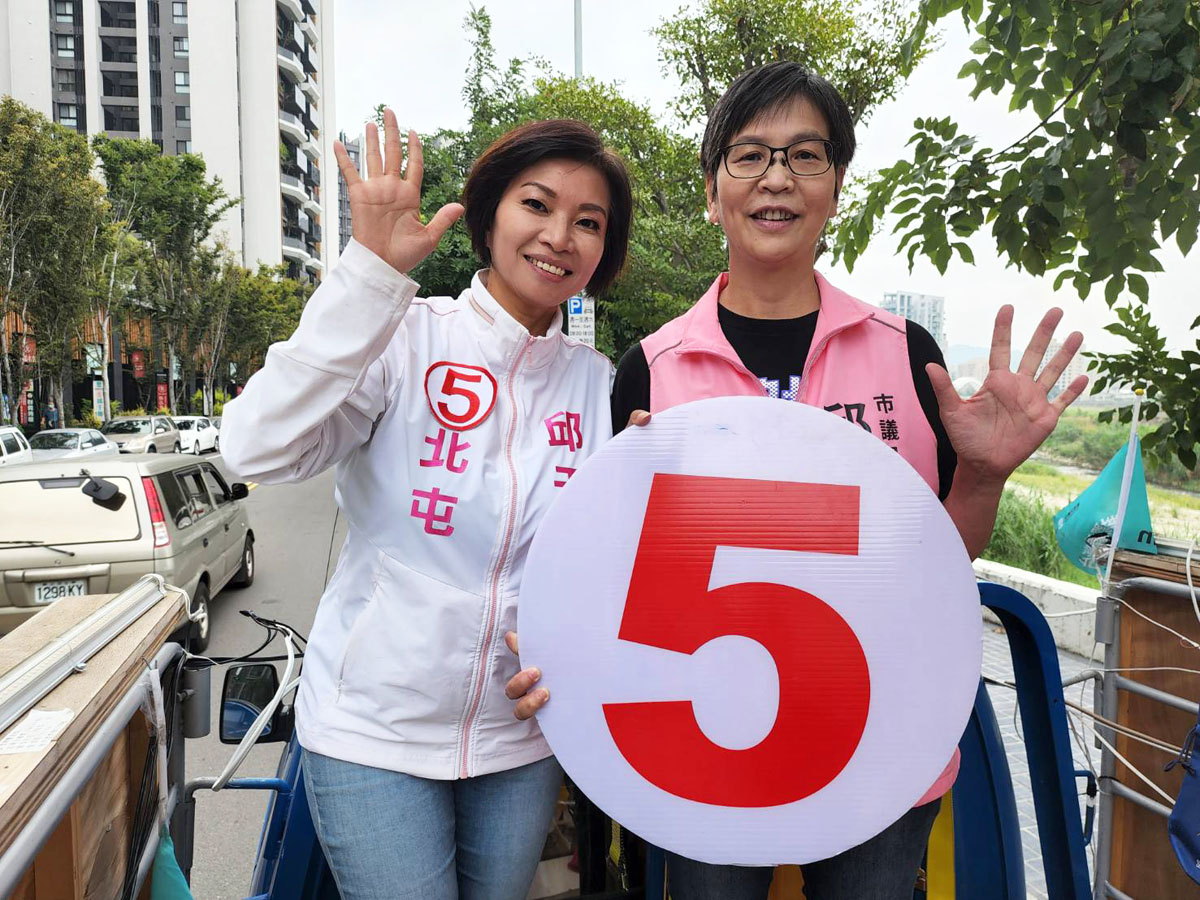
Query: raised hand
[1006,420]
[386,206]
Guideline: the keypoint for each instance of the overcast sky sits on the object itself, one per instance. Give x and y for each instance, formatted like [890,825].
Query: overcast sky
[411,54]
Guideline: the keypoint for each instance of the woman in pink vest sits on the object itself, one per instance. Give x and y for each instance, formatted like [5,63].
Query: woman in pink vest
[775,154]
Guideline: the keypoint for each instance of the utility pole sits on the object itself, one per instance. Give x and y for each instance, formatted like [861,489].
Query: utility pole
[578,38]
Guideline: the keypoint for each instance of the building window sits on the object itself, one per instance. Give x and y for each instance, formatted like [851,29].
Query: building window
[66,82]
[183,146]
[66,45]
[179,11]
[64,11]
[181,46]
[183,82]
[68,114]
[183,114]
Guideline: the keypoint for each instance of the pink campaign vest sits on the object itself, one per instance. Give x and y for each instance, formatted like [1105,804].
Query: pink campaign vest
[857,367]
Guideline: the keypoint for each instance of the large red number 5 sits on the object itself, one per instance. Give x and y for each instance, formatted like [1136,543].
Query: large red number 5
[824,682]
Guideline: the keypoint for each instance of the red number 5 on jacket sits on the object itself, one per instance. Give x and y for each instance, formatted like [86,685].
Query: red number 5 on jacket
[460,396]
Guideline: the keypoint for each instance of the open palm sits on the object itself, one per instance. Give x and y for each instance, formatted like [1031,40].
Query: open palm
[385,207]
[1006,420]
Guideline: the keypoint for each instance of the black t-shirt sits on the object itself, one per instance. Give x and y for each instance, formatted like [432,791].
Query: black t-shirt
[775,351]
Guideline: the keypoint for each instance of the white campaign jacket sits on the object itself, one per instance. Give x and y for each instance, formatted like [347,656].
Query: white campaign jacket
[452,430]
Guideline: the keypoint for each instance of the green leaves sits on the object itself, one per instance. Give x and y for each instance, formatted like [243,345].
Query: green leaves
[1112,169]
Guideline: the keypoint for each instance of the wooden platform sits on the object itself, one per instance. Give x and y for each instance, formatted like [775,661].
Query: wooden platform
[86,856]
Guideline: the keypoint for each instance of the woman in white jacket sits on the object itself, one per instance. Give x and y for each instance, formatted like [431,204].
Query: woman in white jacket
[452,424]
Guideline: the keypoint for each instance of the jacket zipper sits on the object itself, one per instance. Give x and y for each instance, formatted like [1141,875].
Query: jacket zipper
[501,560]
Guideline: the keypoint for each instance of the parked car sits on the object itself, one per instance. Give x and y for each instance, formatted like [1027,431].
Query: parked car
[143,434]
[70,443]
[96,526]
[13,446]
[197,434]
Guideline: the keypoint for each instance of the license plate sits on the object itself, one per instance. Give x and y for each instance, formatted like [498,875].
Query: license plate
[49,591]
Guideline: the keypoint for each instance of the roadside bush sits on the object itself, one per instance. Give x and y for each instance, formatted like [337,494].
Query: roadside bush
[87,416]
[220,398]
[1024,538]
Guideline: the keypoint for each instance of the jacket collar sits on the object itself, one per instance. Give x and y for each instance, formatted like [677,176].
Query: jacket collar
[503,336]
[702,329]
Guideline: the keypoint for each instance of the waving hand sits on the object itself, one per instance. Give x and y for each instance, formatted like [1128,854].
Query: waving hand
[386,205]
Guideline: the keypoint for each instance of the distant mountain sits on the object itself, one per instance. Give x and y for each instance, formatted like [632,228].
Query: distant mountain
[961,353]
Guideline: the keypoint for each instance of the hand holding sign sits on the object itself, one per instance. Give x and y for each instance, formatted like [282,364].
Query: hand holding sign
[777,548]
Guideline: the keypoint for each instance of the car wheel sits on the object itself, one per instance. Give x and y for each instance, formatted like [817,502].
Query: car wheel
[176,448]
[200,627]
[245,575]
[151,449]
[196,449]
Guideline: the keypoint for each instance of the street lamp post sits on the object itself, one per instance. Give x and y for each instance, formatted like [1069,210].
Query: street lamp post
[578,38]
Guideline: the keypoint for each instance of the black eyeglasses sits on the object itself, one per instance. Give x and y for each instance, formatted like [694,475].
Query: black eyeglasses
[752,160]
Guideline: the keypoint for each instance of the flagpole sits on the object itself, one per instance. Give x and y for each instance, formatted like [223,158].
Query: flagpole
[1126,480]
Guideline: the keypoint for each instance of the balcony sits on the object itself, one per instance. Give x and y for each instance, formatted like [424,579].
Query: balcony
[309,65]
[311,91]
[310,31]
[289,63]
[310,148]
[314,265]
[309,9]
[292,187]
[311,206]
[294,248]
[292,8]
[289,124]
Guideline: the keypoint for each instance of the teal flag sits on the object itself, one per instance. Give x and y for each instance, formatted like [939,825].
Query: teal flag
[1091,517]
[166,879]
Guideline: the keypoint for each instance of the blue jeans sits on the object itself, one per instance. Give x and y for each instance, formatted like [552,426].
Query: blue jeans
[883,868]
[388,835]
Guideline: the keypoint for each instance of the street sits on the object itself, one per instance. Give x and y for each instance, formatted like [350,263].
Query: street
[292,525]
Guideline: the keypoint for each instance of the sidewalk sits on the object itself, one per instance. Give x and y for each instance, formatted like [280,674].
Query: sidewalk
[997,664]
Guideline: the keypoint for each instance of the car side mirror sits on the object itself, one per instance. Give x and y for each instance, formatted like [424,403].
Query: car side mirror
[239,491]
[247,691]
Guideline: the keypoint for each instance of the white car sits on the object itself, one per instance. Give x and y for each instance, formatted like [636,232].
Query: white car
[13,446]
[197,434]
[71,443]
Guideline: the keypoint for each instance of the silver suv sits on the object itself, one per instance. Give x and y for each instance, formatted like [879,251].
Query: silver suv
[143,434]
[95,526]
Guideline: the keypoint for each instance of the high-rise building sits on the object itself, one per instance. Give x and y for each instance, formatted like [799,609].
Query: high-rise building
[1076,367]
[926,310]
[345,225]
[246,84]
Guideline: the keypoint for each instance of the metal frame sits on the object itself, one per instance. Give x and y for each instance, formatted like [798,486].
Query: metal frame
[24,848]
[1108,684]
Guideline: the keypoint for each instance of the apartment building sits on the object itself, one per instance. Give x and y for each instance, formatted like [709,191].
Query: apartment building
[345,223]
[246,84]
[927,310]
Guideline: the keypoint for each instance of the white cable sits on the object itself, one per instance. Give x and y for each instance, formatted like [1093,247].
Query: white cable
[256,728]
[1134,769]
[1187,570]
[1075,612]
[1187,640]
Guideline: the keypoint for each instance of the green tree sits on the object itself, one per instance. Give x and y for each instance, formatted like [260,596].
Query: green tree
[264,307]
[865,48]
[1110,172]
[173,207]
[49,205]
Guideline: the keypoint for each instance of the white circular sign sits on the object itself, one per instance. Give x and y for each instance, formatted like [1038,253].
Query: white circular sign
[759,629]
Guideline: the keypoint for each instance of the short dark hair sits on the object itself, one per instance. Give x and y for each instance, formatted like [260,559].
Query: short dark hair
[769,89]
[530,144]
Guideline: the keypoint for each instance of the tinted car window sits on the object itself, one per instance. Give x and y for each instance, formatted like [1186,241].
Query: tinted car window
[55,440]
[173,497]
[10,442]
[127,426]
[192,483]
[216,485]
[184,424]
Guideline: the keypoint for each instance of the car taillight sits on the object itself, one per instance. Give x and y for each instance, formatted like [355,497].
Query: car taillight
[161,536]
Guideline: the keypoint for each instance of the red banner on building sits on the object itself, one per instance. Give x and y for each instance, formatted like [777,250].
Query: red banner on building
[138,358]
[30,352]
[162,395]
